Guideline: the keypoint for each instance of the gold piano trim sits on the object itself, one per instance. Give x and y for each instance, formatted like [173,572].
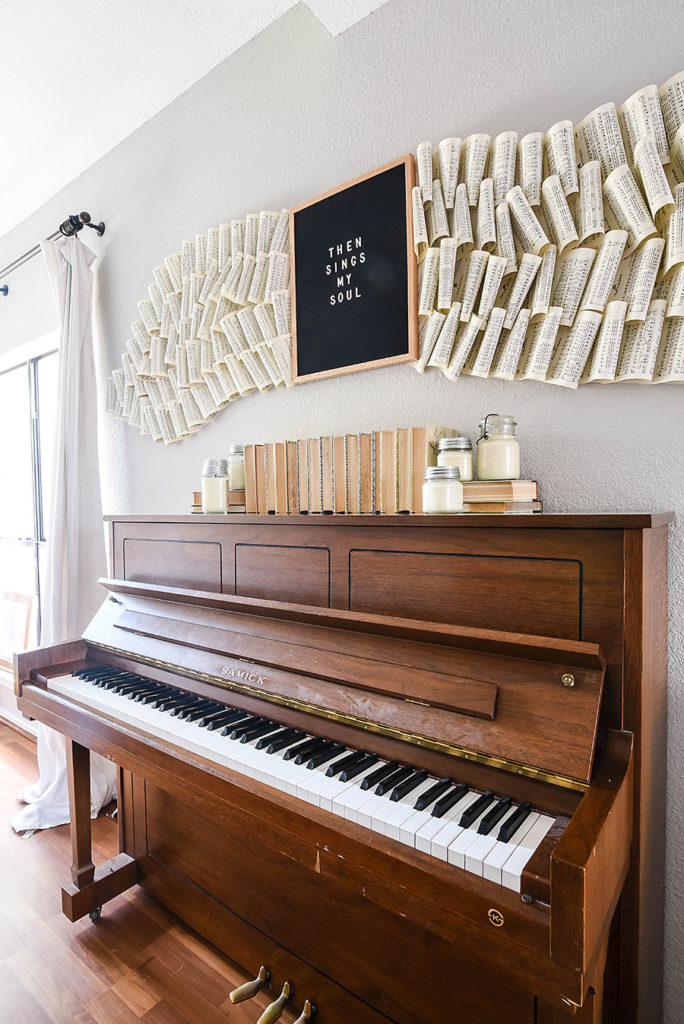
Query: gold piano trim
[518,768]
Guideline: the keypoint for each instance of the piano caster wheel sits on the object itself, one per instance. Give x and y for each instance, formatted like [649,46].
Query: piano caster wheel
[250,988]
[273,1011]
[95,914]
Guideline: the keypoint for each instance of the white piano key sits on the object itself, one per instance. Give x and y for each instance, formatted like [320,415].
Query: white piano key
[462,843]
[494,861]
[402,809]
[426,834]
[512,870]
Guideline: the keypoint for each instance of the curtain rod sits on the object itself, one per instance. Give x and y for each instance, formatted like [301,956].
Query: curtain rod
[71,226]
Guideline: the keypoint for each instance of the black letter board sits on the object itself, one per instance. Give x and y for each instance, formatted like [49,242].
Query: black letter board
[354,276]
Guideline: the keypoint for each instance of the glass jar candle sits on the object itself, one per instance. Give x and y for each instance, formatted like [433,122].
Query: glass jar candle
[457,451]
[442,491]
[215,486]
[236,467]
[498,451]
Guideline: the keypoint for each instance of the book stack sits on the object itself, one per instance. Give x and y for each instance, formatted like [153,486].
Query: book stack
[380,472]
[496,496]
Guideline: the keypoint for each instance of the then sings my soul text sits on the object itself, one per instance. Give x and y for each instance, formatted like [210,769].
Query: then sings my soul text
[345,257]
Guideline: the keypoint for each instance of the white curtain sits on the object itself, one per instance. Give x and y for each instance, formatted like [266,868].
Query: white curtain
[75,536]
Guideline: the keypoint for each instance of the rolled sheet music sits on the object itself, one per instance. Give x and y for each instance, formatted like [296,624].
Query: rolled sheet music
[441,352]
[636,278]
[505,243]
[572,272]
[590,203]
[640,344]
[470,278]
[489,343]
[603,272]
[447,268]
[476,149]
[557,213]
[539,345]
[572,350]
[531,151]
[529,268]
[627,206]
[652,177]
[559,148]
[420,234]
[670,360]
[526,223]
[540,299]
[465,339]
[602,362]
[428,332]
[428,285]
[598,137]
[435,215]
[507,356]
[502,164]
[448,160]
[674,234]
[640,116]
[461,223]
[672,105]
[490,286]
[485,224]
[424,167]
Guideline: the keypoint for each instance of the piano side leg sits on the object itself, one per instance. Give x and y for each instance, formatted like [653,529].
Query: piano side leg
[90,886]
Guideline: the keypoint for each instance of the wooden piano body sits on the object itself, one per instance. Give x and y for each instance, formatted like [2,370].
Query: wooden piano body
[348,628]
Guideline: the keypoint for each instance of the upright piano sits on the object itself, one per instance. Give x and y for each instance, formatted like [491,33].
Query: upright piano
[411,766]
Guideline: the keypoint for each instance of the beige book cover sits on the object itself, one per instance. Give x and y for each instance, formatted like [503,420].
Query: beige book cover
[352,483]
[404,467]
[327,471]
[250,479]
[388,472]
[340,473]
[292,478]
[303,475]
[315,493]
[366,482]
[260,470]
[377,472]
[270,479]
[280,478]
[500,490]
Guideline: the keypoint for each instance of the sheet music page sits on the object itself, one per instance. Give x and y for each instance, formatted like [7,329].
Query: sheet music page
[465,339]
[428,285]
[641,116]
[268,220]
[447,268]
[559,145]
[174,270]
[156,300]
[278,274]
[590,204]
[234,275]
[598,137]
[476,149]
[603,272]
[677,157]
[436,215]
[485,226]
[628,207]
[640,343]
[603,358]
[670,360]
[507,356]
[672,105]
[237,236]
[441,352]
[572,272]
[489,343]
[540,299]
[424,168]
[490,285]
[675,293]
[529,268]
[526,223]
[470,275]
[281,348]
[538,347]
[265,317]
[282,312]
[637,276]
[200,254]
[502,164]
[572,350]
[674,234]
[246,277]
[448,160]
[428,333]
[420,235]
[531,151]
[652,177]
[461,224]
[257,289]
[557,213]
[505,243]
[187,258]
[281,233]
[224,249]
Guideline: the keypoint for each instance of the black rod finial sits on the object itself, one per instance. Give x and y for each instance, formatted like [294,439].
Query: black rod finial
[76,221]
[4,289]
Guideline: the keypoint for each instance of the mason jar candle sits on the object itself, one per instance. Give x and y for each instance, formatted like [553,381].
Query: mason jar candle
[498,451]
[215,486]
[457,451]
[236,467]
[442,491]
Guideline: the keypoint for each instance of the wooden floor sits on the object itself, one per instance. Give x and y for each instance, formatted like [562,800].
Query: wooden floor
[137,963]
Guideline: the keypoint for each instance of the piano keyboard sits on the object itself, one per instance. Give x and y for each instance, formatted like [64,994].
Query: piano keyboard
[480,833]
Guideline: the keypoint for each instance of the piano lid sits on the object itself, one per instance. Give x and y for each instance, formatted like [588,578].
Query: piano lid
[522,703]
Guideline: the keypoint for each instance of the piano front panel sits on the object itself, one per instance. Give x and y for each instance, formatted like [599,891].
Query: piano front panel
[303,573]
[195,564]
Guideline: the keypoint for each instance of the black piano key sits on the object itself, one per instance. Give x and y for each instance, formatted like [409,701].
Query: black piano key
[142,690]
[234,732]
[494,816]
[390,781]
[304,756]
[476,809]
[513,823]
[432,794]
[282,734]
[205,715]
[257,731]
[185,700]
[193,702]
[361,766]
[128,685]
[170,701]
[406,787]
[162,698]
[95,673]
[448,801]
[325,755]
[227,719]
[301,748]
[346,762]
[275,746]
[201,708]
[150,698]
[111,682]
[379,774]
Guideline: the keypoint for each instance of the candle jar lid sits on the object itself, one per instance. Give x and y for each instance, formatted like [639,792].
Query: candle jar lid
[215,467]
[455,444]
[447,473]
[495,423]
[237,449]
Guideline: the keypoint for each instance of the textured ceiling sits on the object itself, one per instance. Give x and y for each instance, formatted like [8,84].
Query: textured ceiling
[78,76]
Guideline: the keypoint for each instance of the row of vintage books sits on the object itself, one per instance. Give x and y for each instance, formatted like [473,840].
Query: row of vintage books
[381,472]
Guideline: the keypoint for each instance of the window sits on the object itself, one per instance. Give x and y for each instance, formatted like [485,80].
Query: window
[28,404]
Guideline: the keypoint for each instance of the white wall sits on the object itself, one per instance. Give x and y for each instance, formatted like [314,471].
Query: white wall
[296,112]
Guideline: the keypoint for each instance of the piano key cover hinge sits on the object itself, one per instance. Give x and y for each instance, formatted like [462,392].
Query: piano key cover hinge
[517,768]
